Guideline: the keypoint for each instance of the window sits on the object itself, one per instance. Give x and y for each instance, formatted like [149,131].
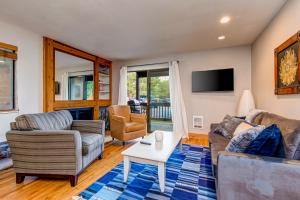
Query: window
[8,56]
[81,87]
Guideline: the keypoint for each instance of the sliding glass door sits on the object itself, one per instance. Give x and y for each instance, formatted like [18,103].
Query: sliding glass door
[148,93]
[159,113]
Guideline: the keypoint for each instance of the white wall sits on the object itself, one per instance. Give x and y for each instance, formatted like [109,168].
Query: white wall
[283,26]
[213,106]
[29,72]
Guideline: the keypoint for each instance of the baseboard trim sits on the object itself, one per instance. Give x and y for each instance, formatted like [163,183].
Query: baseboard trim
[197,133]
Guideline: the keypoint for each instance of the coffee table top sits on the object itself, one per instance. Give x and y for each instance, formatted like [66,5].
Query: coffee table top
[157,151]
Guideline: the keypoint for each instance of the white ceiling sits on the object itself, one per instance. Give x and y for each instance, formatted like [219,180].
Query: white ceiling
[130,29]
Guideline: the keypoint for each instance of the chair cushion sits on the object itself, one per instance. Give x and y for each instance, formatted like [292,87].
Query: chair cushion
[58,120]
[134,126]
[90,141]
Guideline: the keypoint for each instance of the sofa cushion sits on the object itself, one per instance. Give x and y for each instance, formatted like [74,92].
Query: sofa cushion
[241,141]
[290,130]
[90,141]
[258,118]
[252,115]
[228,126]
[217,144]
[267,143]
[58,120]
[133,126]
[216,138]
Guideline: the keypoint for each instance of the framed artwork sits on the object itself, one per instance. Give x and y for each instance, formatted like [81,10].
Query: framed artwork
[287,66]
[57,88]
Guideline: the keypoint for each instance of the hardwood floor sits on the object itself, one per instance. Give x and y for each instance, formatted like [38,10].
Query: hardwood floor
[37,189]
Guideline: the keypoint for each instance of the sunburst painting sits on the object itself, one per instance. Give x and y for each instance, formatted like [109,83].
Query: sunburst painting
[287,67]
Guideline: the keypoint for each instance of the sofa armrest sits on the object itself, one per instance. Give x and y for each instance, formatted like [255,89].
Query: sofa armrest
[46,152]
[243,176]
[141,118]
[213,126]
[89,126]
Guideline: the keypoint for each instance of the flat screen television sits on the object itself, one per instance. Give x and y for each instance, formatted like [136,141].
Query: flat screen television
[213,80]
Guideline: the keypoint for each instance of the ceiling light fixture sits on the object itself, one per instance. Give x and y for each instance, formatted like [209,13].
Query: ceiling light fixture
[2,61]
[222,37]
[225,20]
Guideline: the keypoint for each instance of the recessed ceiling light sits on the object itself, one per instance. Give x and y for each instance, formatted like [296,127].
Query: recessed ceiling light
[225,20]
[222,37]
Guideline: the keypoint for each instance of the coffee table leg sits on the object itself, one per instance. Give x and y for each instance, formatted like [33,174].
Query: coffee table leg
[127,166]
[161,176]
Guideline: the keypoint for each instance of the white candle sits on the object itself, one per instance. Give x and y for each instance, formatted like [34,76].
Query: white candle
[159,136]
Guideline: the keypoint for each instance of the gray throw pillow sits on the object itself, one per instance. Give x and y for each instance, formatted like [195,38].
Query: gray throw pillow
[228,126]
[241,141]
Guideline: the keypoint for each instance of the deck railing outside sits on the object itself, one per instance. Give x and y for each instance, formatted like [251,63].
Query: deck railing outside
[158,111]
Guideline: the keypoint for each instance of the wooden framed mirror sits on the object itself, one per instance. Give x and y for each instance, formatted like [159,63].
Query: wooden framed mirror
[75,79]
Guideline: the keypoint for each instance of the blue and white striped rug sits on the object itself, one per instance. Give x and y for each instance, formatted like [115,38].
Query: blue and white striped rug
[188,177]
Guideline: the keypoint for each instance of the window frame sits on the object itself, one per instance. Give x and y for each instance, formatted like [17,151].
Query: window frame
[5,53]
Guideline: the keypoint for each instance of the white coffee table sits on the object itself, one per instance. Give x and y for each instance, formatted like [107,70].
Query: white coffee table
[155,154]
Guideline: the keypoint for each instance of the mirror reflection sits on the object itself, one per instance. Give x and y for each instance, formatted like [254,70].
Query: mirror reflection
[74,77]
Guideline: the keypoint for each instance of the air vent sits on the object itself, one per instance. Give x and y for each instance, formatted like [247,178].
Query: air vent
[197,122]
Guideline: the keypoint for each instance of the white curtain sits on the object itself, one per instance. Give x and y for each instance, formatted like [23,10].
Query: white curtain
[123,86]
[64,86]
[179,117]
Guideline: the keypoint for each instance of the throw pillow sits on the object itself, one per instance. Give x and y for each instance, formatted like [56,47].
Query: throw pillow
[268,143]
[228,126]
[240,142]
[4,150]
[241,127]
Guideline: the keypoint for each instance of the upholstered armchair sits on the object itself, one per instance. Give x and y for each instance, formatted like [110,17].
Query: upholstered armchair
[54,145]
[125,125]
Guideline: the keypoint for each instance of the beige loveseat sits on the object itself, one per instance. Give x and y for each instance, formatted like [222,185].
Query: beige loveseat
[54,145]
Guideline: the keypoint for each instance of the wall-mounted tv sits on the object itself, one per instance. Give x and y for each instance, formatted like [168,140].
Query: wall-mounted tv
[213,80]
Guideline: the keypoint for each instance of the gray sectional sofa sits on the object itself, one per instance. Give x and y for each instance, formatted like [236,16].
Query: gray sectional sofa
[54,145]
[243,176]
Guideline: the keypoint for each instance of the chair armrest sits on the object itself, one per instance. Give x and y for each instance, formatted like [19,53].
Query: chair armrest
[118,119]
[50,152]
[89,126]
[243,176]
[142,118]
[117,124]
